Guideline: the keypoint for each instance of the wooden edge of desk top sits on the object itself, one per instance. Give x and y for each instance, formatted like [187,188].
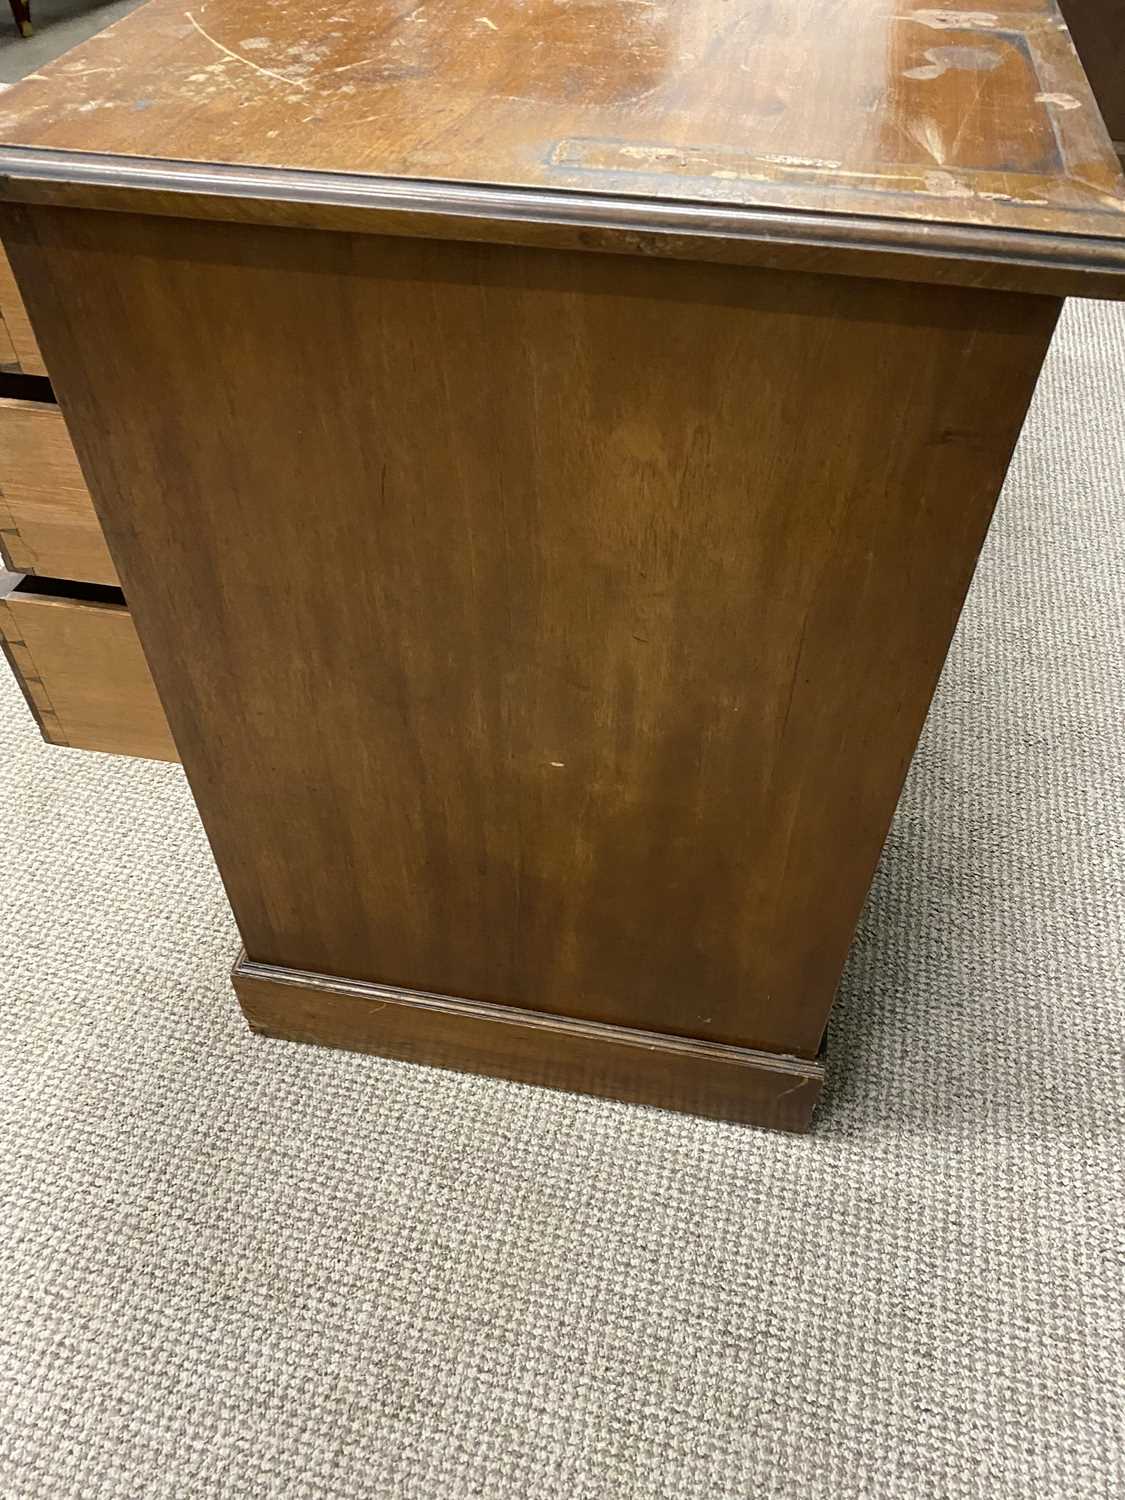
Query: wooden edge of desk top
[1026,260]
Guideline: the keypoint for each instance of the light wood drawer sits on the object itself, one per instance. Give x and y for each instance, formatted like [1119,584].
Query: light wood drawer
[78,659]
[18,348]
[47,519]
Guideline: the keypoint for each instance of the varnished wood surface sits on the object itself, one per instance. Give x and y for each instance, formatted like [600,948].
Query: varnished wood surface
[18,336]
[1098,30]
[557,629]
[82,671]
[8,360]
[883,107]
[639,1067]
[946,254]
[47,520]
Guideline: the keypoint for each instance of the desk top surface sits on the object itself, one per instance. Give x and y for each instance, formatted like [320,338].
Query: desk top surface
[875,107]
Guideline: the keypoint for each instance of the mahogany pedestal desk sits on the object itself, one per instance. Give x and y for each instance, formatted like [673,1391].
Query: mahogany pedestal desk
[543,450]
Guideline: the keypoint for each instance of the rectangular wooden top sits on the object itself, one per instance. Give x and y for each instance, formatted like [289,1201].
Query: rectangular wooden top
[883,122]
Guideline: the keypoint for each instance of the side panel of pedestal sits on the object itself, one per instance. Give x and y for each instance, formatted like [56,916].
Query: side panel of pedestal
[538,627]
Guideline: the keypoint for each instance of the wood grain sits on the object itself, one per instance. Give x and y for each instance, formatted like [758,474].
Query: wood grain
[639,1067]
[558,628]
[17,326]
[47,520]
[8,360]
[889,108]
[82,670]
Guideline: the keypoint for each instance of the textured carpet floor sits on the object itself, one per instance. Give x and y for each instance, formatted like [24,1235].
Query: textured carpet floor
[230,1267]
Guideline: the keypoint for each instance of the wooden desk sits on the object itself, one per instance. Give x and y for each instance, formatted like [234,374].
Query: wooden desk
[545,449]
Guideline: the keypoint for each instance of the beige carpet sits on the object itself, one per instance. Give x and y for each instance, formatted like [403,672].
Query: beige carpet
[231,1267]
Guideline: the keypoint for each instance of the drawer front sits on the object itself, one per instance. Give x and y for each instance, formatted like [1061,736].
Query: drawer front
[47,519]
[18,348]
[82,670]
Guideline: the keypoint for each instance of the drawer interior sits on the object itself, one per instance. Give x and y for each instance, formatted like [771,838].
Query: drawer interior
[76,653]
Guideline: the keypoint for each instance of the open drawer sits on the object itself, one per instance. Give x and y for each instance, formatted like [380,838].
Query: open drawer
[76,654]
[18,348]
[47,520]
